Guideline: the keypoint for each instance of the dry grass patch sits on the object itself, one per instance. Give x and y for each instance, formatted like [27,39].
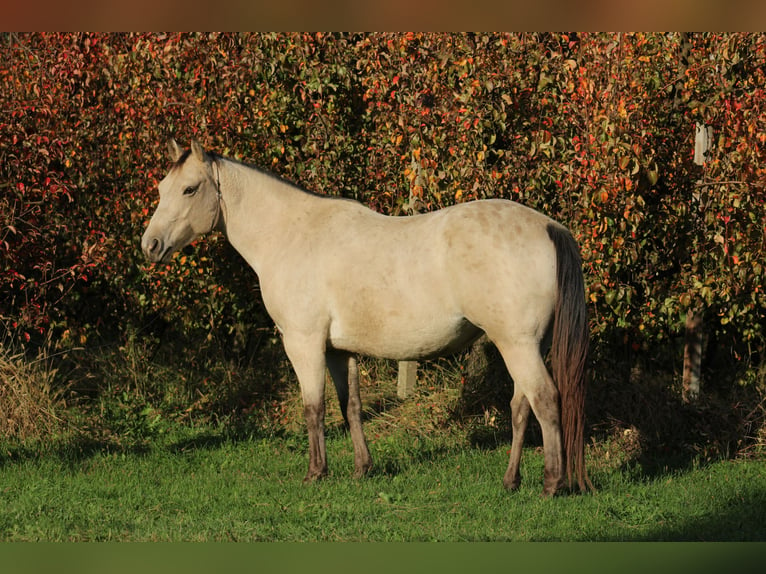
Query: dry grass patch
[30,405]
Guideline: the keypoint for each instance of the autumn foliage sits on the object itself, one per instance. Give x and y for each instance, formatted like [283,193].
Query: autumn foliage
[596,130]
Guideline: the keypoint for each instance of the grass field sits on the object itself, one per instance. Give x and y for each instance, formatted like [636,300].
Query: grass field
[136,463]
[210,485]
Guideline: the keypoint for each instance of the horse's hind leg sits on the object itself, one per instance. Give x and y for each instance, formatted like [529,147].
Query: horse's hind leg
[345,374]
[532,380]
[519,418]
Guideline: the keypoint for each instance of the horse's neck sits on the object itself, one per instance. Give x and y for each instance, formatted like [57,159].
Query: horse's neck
[259,210]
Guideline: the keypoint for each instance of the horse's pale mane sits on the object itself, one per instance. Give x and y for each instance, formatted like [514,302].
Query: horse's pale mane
[216,156]
[275,176]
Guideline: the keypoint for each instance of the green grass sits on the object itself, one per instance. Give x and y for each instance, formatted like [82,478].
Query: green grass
[210,485]
[143,453]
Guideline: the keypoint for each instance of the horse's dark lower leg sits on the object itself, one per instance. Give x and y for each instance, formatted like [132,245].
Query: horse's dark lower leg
[547,413]
[345,375]
[314,415]
[362,459]
[519,419]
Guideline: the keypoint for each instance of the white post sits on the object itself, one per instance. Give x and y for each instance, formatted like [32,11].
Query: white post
[703,141]
[408,376]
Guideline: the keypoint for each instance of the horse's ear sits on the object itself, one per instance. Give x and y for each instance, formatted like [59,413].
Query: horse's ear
[175,151]
[198,152]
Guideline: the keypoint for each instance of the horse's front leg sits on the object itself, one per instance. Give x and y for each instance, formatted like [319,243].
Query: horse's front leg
[345,375]
[308,360]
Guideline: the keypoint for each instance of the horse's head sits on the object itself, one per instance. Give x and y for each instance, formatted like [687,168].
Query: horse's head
[189,203]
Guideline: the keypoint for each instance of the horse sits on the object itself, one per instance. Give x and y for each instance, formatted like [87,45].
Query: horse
[341,280]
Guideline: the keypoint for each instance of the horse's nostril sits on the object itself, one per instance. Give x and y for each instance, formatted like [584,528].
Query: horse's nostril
[153,247]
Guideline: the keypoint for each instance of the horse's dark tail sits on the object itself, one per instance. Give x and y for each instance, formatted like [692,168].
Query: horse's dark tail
[569,352]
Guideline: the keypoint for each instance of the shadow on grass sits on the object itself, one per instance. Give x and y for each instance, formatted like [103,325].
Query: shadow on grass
[232,433]
[70,451]
[389,465]
[74,449]
[738,520]
[742,521]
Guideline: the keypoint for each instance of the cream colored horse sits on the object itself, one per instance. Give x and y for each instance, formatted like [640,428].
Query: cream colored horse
[339,279]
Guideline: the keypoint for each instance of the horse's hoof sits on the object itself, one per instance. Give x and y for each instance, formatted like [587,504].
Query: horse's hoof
[549,491]
[314,477]
[512,483]
[362,471]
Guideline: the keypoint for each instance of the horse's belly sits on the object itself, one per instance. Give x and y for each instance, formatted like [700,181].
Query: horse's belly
[402,339]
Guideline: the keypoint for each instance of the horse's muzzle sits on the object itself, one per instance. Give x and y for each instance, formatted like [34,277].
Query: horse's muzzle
[154,249]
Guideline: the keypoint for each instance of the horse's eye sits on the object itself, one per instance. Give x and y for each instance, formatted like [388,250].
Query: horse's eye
[191,190]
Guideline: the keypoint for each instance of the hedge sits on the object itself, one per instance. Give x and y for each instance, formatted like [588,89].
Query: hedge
[596,130]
